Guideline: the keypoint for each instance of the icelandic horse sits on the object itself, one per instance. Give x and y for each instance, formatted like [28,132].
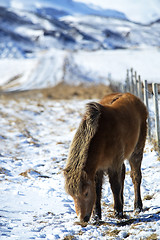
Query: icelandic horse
[110,132]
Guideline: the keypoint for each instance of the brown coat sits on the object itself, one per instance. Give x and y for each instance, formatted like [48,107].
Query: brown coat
[110,132]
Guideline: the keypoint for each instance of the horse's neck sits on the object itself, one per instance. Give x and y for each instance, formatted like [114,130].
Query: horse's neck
[90,168]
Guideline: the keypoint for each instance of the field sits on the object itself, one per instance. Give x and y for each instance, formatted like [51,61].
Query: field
[36,132]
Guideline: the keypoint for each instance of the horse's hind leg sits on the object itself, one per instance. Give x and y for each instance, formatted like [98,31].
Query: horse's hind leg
[135,163]
[99,181]
[122,180]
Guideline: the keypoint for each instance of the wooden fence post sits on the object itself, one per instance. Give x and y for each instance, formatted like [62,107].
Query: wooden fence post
[132,82]
[146,103]
[127,85]
[135,84]
[155,96]
[140,95]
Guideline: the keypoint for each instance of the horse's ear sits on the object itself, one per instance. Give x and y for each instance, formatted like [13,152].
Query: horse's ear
[84,175]
[84,178]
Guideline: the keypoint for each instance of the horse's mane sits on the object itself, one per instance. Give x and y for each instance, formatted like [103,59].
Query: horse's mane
[79,149]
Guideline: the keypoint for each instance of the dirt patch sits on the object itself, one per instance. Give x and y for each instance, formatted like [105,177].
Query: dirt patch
[63,91]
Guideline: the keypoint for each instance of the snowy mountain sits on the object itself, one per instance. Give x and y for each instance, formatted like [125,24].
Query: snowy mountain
[28,26]
[28,29]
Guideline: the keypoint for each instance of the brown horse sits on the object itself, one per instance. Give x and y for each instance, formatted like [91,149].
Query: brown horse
[110,132]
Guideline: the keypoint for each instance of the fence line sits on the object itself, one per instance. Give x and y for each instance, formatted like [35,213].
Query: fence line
[136,86]
[155,97]
[145,84]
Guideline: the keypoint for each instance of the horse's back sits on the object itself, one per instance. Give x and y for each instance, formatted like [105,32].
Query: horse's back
[125,103]
[122,118]
[109,99]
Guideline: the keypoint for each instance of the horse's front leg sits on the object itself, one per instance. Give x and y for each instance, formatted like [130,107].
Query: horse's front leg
[99,181]
[116,179]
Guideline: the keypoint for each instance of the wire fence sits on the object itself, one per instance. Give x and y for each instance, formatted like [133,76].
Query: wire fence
[147,93]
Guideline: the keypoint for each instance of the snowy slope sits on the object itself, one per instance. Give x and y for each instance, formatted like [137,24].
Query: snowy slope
[54,66]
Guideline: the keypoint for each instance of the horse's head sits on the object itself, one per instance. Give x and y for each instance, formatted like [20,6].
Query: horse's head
[84,198]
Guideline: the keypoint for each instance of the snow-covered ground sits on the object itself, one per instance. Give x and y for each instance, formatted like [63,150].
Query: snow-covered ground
[35,138]
[54,66]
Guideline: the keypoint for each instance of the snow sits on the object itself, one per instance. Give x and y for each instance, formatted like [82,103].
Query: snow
[54,66]
[15,68]
[139,11]
[69,6]
[35,138]
[145,61]
[44,71]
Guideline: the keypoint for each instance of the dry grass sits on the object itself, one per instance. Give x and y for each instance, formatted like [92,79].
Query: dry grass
[153,236]
[69,237]
[27,172]
[63,91]
[148,197]
[112,233]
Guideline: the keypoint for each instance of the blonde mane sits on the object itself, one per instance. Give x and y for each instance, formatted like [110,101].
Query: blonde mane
[79,149]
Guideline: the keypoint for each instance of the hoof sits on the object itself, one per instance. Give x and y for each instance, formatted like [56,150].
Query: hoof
[82,224]
[137,210]
[96,219]
[86,219]
[118,214]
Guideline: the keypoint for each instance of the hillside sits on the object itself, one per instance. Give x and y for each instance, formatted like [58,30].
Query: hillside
[43,43]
